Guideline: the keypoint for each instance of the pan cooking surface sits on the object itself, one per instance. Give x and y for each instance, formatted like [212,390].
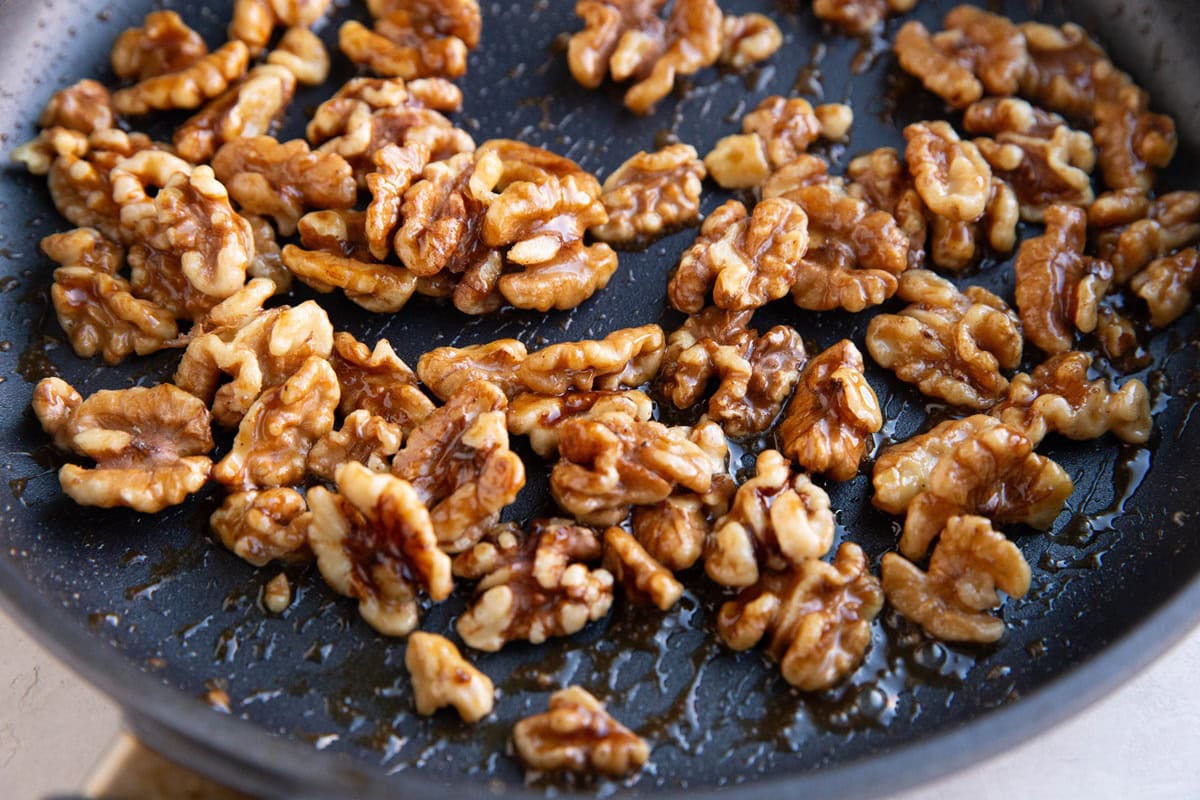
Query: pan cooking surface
[187,613]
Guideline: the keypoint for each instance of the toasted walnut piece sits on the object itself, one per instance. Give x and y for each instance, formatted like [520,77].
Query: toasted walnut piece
[188,87]
[100,316]
[788,127]
[378,382]
[578,735]
[1057,396]
[674,530]
[277,594]
[415,38]
[902,470]
[1132,142]
[255,20]
[1115,333]
[278,430]
[267,262]
[77,173]
[364,438]
[148,444]
[374,542]
[84,106]
[539,416]
[334,115]
[163,44]
[1168,285]
[609,25]
[442,677]
[50,147]
[777,520]
[447,369]
[251,107]
[951,344]
[745,259]
[302,53]
[994,472]
[1058,288]
[859,16]
[395,170]
[738,162]
[817,616]
[950,174]
[458,461]
[749,39]
[569,277]
[262,526]
[881,178]
[532,586]
[643,579]
[950,601]
[977,51]
[1131,230]
[832,414]
[1067,71]
[84,247]
[651,194]
[996,116]
[281,181]
[955,246]
[626,358]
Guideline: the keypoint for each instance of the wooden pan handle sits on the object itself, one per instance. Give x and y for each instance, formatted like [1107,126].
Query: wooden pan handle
[132,770]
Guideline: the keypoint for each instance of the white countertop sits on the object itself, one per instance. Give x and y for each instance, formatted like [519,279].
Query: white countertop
[1143,741]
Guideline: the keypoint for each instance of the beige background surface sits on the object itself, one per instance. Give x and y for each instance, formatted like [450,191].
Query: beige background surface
[1143,741]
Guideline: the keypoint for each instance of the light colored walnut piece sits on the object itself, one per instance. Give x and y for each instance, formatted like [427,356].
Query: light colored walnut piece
[816,618]
[788,126]
[777,520]
[532,586]
[302,53]
[335,116]
[1058,288]
[149,445]
[1168,285]
[84,247]
[832,415]
[251,107]
[442,677]
[857,17]
[77,174]
[85,106]
[458,461]
[415,39]
[279,429]
[364,438]
[578,735]
[163,44]
[447,369]
[950,174]
[1058,397]
[41,153]
[378,382]
[902,470]
[374,542]
[749,39]
[626,358]
[1132,142]
[745,259]
[282,180]
[1131,230]
[881,178]
[261,526]
[277,594]
[100,315]
[643,579]
[188,87]
[994,472]
[951,344]
[540,416]
[955,246]
[254,21]
[977,51]
[650,195]
[738,161]
[951,600]
[396,168]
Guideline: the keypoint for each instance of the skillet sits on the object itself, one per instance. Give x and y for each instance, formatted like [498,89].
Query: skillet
[160,617]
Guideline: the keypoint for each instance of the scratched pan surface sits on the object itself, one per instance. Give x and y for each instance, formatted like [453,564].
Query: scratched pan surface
[158,615]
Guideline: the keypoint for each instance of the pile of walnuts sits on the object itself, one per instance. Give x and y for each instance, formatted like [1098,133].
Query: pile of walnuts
[397,482]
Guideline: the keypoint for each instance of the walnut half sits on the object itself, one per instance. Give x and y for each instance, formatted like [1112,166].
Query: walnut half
[442,677]
[578,735]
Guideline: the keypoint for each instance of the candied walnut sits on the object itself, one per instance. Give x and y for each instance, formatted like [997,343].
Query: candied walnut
[832,414]
[626,358]
[674,530]
[250,108]
[278,430]
[188,87]
[994,473]
[1168,284]
[365,132]
[977,51]
[569,277]
[255,20]
[777,520]
[881,178]
[44,151]
[1057,396]
[281,181]
[951,344]
[442,677]
[578,735]
[100,315]
[902,470]
[78,179]
[262,526]
[738,162]
[333,117]
[364,438]
[788,126]
[539,416]
[643,579]
[378,382]
[149,445]
[84,247]
[277,594]
[267,262]
[457,459]
[1131,230]
[84,106]
[1067,71]
[1115,333]
[1058,288]
[950,601]
[955,246]
[746,259]
[755,373]
[258,349]
[396,168]
[532,586]
[816,618]
[749,39]
[859,16]
[650,195]
[302,53]
[415,39]
[997,116]
[447,369]
[374,542]
[1132,142]
[950,174]
[335,254]
[612,462]
[162,45]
